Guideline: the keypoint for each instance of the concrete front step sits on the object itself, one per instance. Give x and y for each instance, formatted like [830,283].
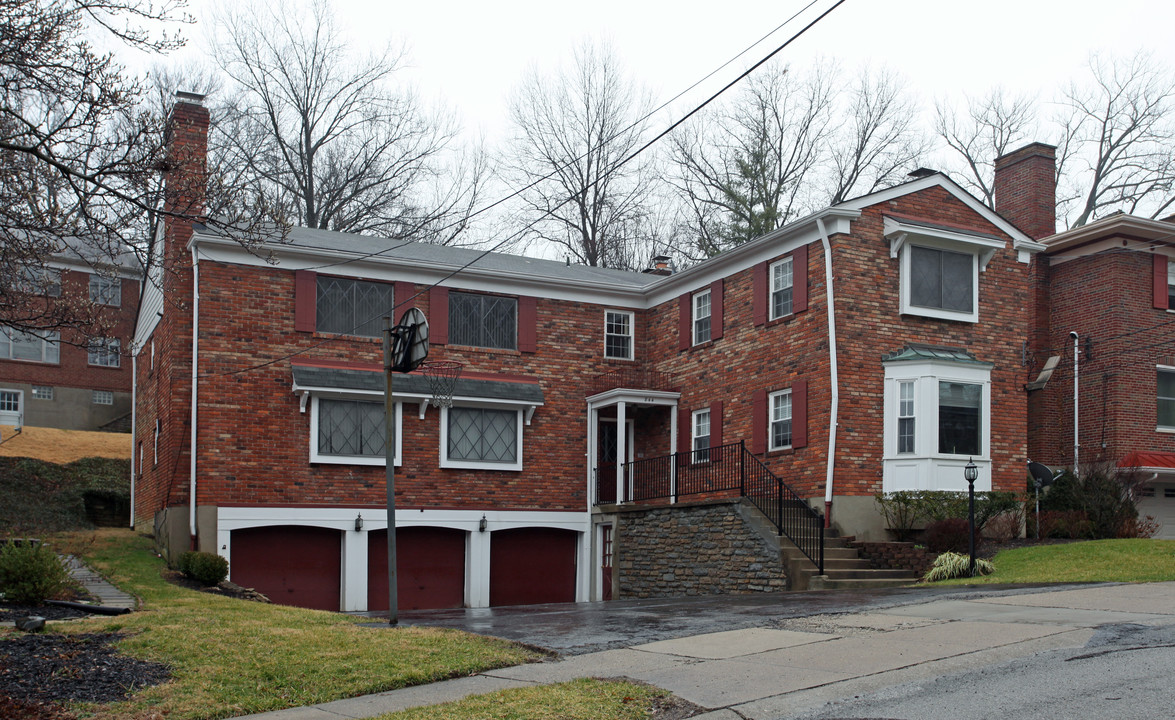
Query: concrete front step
[824,582]
[864,573]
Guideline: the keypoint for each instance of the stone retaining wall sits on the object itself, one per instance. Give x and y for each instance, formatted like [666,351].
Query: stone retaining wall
[697,549]
[896,555]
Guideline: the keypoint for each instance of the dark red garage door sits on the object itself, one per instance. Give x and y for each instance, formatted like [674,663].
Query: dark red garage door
[532,565]
[430,568]
[291,565]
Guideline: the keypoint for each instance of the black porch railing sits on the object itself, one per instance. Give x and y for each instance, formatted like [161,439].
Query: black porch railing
[717,470]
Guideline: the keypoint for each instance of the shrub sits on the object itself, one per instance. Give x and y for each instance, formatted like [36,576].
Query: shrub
[950,535]
[31,573]
[1071,524]
[1136,527]
[1104,493]
[906,509]
[902,511]
[1005,526]
[204,567]
[951,565]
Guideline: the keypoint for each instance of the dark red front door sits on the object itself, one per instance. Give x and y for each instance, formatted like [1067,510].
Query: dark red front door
[532,565]
[430,568]
[606,561]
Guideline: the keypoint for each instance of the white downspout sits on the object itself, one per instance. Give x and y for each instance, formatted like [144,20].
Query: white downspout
[134,428]
[195,376]
[835,402]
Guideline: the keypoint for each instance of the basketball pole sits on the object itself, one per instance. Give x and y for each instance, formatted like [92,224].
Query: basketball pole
[390,465]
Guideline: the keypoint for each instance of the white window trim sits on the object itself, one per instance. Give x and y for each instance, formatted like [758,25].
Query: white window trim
[773,289]
[902,235]
[771,446]
[110,286]
[696,454]
[1161,428]
[479,465]
[926,468]
[51,339]
[19,401]
[48,394]
[631,334]
[695,317]
[107,348]
[317,457]
[94,394]
[913,416]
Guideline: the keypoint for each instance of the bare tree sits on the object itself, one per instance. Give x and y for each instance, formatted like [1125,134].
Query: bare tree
[573,131]
[790,141]
[328,135]
[992,125]
[1122,130]
[77,156]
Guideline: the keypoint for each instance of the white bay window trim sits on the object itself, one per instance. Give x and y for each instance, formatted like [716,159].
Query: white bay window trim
[515,408]
[332,459]
[926,468]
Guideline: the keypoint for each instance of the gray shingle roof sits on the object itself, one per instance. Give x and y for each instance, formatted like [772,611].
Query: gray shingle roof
[414,384]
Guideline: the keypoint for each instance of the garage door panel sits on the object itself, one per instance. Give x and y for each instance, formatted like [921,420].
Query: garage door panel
[289,564]
[430,568]
[532,565]
[1161,506]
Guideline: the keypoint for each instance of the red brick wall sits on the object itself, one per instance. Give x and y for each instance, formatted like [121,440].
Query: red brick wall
[1025,189]
[1105,297]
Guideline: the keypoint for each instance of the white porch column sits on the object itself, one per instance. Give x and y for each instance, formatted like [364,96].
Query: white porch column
[354,571]
[621,449]
[477,569]
[593,420]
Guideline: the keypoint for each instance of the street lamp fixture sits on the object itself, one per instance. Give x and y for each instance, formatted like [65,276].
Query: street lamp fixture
[971,474]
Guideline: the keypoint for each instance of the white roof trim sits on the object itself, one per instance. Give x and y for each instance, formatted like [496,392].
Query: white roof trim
[897,232]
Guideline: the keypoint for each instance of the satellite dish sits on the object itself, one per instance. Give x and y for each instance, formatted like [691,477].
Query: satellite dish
[1041,474]
[411,341]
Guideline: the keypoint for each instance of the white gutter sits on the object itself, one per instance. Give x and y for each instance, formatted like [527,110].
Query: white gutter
[134,426]
[835,402]
[195,376]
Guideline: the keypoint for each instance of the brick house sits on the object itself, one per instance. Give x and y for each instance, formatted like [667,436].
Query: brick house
[63,378]
[1112,282]
[874,345]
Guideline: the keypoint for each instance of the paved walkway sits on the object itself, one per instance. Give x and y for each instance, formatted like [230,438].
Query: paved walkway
[96,585]
[792,664]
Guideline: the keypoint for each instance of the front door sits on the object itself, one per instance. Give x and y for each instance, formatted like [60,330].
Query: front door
[605,562]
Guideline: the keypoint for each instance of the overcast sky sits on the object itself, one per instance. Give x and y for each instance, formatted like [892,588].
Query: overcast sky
[471,52]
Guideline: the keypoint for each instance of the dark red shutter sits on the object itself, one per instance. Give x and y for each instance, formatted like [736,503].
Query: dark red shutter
[1160,270]
[684,321]
[716,310]
[405,298]
[799,414]
[759,422]
[684,430]
[760,292]
[528,324]
[305,300]
[799,269]
[438,316]
[716,424]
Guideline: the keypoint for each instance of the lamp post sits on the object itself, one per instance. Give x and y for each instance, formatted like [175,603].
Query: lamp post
[971,473]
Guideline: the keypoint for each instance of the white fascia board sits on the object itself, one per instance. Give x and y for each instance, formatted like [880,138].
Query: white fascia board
[1141,234]
[75,264]
[288,257]
[1020,241]
[766,247]
[342,517]
[635,396]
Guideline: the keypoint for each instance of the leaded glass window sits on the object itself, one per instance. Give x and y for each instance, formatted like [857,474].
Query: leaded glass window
[352,307]
[781,288]
[942,279]
[350,427]
[781,420]
[483,435]
[959,411]
[485,321]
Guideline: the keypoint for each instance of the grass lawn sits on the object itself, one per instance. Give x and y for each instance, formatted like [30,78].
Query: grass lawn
[1135,560]
[586,699]
[232,657]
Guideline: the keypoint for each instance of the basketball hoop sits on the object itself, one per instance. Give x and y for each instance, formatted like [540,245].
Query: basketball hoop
[442,380]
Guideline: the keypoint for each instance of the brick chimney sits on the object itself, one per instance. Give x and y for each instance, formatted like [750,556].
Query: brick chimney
[186,174]
[659,266]
[1025,189]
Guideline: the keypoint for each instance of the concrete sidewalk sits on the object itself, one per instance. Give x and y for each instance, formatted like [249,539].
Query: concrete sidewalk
[800,663]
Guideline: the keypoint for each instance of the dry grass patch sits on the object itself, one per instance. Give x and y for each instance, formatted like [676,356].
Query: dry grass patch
[63,446]
[587,699]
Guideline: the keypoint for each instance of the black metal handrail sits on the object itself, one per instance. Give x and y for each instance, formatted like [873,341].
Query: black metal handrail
[713,470]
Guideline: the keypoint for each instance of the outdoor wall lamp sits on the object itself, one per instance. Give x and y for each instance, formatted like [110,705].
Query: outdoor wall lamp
[481,525]
[359,522]
[971,474]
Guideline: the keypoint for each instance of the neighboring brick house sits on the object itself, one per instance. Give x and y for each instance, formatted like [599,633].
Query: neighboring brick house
[1112,282]
[503,498]
[64,378]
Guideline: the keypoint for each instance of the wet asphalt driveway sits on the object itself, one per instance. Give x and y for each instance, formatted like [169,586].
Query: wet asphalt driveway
[577,628]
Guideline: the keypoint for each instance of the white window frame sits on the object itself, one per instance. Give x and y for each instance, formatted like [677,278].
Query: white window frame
[926,468]
[1170,284]
[902,236]
[907,411]
[630,319]
[104,352]
[42,392]
[327,459]
[698,418]
[101,397]
[696,316]
[19,401]
[445,462]
[774,270]
[106,290]
[1162,369]
[772,400]
[40,281]
[50,346]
